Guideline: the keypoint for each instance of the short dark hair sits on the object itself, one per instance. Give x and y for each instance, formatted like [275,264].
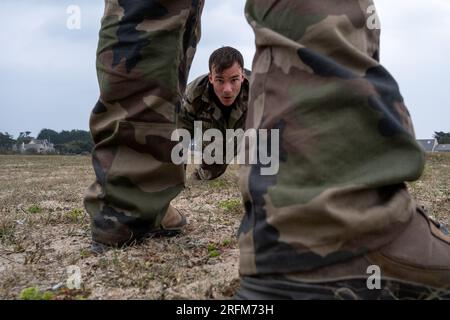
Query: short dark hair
[224,58]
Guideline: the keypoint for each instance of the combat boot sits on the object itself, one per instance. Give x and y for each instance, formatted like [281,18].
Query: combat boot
[415,265]
[111,233]
[172,223]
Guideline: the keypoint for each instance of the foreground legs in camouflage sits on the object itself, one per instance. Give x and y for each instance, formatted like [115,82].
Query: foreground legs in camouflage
[338,204]
[143,59]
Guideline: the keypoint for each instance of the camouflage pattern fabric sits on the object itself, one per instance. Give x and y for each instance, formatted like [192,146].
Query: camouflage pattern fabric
[347,142]
[199,105]
[143,59]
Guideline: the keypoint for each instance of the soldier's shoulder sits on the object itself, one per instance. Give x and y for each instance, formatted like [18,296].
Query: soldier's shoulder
[247,74]
[196,88]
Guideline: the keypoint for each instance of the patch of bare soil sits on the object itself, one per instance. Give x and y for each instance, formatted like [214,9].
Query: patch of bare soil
[44,229]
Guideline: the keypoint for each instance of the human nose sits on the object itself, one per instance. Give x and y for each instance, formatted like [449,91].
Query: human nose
[227,87]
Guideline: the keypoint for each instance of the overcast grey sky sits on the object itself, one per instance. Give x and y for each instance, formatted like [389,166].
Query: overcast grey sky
[48,78]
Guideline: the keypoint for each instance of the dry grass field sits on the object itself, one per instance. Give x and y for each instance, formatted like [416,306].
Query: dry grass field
[44,229]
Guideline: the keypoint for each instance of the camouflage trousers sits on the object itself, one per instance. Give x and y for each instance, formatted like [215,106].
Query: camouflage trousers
[143,59]
[346,140]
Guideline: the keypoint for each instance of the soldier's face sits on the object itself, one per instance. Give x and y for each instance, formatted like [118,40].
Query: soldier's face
[227,84]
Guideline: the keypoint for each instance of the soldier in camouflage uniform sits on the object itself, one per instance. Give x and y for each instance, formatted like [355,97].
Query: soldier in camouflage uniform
[338,204]
[219,101]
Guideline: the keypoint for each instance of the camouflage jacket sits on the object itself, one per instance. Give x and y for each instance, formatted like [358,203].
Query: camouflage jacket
[199,105]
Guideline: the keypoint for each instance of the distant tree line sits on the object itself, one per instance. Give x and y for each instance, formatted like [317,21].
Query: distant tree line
[6,142]
[65,142]
[442,137]
[68,142]
[80,141]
